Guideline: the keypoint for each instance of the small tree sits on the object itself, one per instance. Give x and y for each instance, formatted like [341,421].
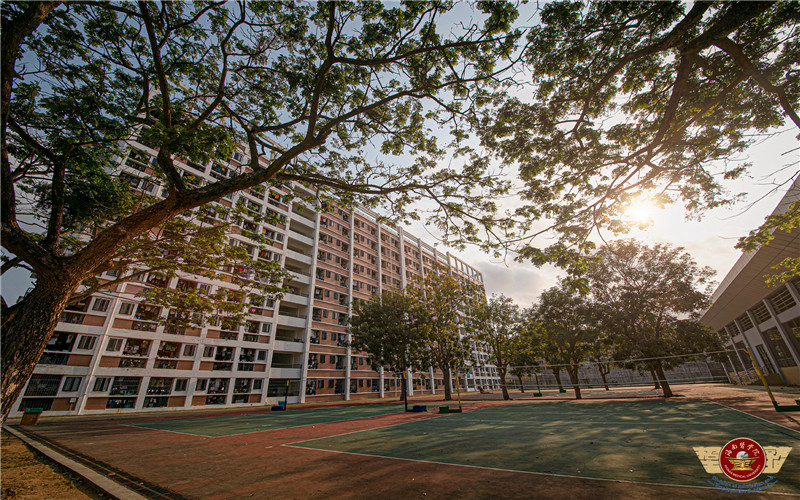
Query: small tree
[524,354]
[649,300]
[382,327]
[567,330]
[441,305]
[495,323]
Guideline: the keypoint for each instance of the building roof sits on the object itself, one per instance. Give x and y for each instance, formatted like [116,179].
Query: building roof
[744,285]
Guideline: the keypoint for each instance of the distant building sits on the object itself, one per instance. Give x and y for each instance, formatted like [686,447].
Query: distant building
[109,353]
[748,314]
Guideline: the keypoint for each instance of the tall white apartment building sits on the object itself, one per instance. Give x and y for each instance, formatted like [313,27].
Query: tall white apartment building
[109,353]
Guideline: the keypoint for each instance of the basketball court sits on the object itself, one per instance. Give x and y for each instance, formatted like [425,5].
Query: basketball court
[624,448]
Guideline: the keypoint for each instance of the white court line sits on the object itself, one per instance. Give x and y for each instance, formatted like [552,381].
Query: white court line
[754,416]
[519,471]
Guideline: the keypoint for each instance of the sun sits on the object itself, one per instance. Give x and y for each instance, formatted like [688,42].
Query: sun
[640,212]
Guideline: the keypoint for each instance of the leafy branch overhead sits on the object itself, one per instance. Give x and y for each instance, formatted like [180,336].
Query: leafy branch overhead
[640,99]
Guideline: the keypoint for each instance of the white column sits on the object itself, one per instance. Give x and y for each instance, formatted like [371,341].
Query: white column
[767,346]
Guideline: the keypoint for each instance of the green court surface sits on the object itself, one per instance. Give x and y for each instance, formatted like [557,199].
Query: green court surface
[641,441]
[228,425]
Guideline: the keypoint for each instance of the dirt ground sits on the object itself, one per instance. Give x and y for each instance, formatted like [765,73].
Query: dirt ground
[257,465]
[29,475]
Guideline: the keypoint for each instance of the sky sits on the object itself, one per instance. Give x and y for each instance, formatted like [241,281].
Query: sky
[709,240]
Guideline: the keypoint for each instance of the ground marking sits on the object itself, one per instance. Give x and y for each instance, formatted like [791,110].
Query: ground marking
[755,416]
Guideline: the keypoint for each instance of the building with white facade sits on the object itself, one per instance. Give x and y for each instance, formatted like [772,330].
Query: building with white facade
[110,353]
[748,314]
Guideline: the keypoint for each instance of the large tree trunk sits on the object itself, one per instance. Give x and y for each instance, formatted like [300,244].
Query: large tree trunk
[662,377]
[557,373]
[573,377]
[521,385]
[26,334]
[448,393]
[503,384]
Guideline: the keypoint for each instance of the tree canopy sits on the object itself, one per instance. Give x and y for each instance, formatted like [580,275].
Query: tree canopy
[633,100]
[566,328]
[648,301]
[496,323]
[383,327]
[442,306]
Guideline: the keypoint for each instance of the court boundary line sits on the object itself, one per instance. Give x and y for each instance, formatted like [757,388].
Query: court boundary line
[498,469]
[268,430]
[360,430]
[754,416]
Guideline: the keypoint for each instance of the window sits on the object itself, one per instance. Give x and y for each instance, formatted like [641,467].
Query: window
[114,345]
[86,342]
[202,384]
[322,358]
[71,384]
[262,356]
[258,384]
[101,384]
[208,352]
[266,327]
[180,385]
[126,308]
[101,305]
[189,350]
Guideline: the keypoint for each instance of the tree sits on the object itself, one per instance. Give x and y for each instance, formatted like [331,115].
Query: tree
[525,354]
[315,92]
[649,300]
[640,100]
[567,330]
[442,304]
[495,323]
[383,328]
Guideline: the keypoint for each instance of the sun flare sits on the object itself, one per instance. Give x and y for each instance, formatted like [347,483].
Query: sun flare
[640,212]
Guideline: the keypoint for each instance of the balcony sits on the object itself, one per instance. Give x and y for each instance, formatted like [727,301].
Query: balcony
[287,318]
[298,256]
[301,235]
[291,346]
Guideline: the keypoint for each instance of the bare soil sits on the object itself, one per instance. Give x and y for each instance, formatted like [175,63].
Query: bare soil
[27,474]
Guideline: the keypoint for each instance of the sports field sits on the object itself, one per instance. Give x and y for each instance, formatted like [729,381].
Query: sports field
[642,441]
[603,448]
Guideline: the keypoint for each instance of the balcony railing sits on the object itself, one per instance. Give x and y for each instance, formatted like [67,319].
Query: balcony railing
[286,365]
[293,314]
[54,358]
[72,318]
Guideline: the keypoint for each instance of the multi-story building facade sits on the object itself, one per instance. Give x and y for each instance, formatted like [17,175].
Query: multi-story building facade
[110,353]
[749,314]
